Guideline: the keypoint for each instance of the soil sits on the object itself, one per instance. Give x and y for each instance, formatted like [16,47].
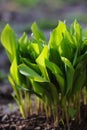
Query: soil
[10,119]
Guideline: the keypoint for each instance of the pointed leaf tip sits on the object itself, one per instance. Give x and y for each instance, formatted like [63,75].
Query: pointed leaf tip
[9,41]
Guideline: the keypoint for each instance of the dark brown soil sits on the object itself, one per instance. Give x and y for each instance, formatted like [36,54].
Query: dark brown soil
[14,121]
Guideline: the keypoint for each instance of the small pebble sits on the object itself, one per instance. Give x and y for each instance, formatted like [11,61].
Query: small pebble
[5,117]
[37,128]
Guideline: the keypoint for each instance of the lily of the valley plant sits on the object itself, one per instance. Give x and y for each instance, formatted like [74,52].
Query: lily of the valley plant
[54,71]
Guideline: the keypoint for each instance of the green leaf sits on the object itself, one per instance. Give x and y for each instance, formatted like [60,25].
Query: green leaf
[23,38]
[34,49]
[41,62]
[75,57]
[48,92]
[84,46]
[78,31]
[14,71]
[69,71]
[54,57]
[80,73]
[14,86]
[9,41]
[79,82]
[31,65]
[23,45]
[67,47]
[57,72]
[67,63]
[28,72]
[82,58]
[38,34]
[56,35]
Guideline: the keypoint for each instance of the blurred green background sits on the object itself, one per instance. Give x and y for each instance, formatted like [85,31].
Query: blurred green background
[21,13]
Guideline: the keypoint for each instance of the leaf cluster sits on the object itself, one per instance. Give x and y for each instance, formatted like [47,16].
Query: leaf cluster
[54,71]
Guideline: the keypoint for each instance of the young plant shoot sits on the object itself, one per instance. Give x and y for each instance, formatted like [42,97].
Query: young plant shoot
[54,71]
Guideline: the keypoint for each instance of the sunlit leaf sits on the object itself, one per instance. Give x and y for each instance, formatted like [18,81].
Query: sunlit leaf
[14,71]
[9,41]
[38,34]
[56,35]
[41,62]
